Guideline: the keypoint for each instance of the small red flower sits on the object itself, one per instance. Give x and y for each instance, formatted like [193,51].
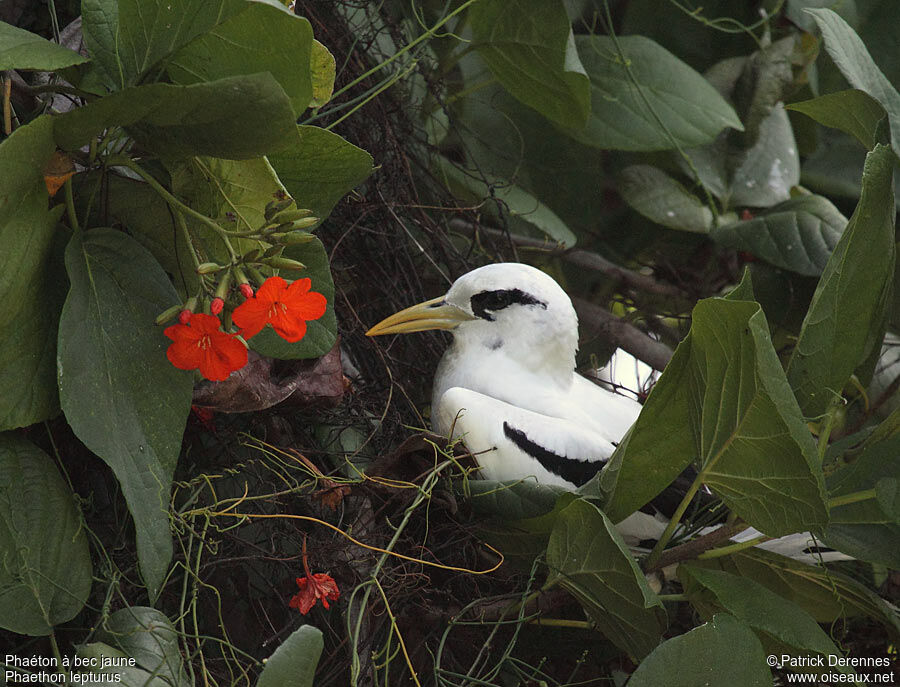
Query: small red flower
[202,344]
[247,290]
[287,307]
[313,588]
[216,306]
[185,316]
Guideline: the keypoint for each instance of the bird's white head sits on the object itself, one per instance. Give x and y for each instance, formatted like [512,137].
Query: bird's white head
[510,308]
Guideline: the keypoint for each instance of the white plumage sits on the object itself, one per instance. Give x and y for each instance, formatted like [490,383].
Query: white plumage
[507,385]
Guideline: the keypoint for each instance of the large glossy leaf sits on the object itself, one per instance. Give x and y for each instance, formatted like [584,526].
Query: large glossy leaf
[261,38]
[321,333]
[645,98]
[318,168]
[846,316]
[587,557]
[131,39]
[237,117]
[849,53]
[765,611]
[111,352]
[322,69]
[797,235]
[146,635]
[724,402]
[20,49]
[45,567]
[29,285]
[293,664]
[529,47]
[825,594]
[852,111]
[722,653]
[661,198]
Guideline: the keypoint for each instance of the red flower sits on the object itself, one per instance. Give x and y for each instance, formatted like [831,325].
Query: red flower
[216,306]
[313,588]
[287,307]
[202,344]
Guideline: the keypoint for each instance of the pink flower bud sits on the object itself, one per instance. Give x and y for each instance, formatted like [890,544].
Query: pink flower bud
[184,316]
[216,306]
[247,290]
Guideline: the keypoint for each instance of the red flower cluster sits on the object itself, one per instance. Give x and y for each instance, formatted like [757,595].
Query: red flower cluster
[199,342]
[313,588]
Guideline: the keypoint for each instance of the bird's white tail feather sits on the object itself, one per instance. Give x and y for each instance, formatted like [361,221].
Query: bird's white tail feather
[801,546]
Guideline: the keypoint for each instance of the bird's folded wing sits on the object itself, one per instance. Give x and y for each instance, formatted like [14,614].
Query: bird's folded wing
[513,443]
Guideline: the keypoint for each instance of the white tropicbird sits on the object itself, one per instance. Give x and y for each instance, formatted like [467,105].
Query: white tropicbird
[507,387]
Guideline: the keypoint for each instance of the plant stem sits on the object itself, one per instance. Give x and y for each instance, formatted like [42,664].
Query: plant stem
[673,523]
[70,205]
[854,497]
[733,548]
[123,161]
[425,36]
[562,622]
[672,597]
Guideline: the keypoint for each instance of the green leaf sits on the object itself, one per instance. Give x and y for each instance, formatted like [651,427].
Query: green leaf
[322,70]
[237,118]
[864,529]
[149,220]
[20,49]
[518,204]
[95,654]
[262,38]
[850,55]
[852,111]
[662,199]
[723,400]
[131,39]
[824,593]
[587,557]
[146,635]
[846,316]
[763,610]
[645,98]
[293,664]
[321,333]
[234,193]
[318,168]
[45,567]
[721,653]
[30,286]
[513,500]
[768,170]
[797,235]
[529,47]
[111,352]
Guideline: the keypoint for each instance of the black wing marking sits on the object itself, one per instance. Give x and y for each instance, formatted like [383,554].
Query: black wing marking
[577,472]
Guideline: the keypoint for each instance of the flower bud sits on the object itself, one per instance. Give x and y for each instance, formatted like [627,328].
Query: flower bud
[297,237]
[185,316]
[209,268]
[168,314]
[216,306]
[246,290]
[304,223]
[291,215]
[285,263]
[273,252]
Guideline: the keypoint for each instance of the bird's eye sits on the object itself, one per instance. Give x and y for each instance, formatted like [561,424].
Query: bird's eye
[487,302]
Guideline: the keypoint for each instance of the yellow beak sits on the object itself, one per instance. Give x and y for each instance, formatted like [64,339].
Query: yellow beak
[433,314]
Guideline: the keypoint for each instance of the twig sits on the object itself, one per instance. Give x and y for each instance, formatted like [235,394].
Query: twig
[623,335]
[576,256]
[695,547]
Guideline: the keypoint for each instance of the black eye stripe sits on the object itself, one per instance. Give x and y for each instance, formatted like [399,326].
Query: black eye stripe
[487,302]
